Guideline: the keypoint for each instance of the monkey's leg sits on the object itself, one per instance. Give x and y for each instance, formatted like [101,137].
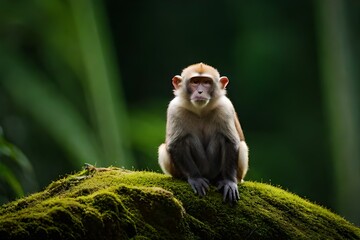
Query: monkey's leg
[228,174]
[165,162]
[188,155]
[243,161]
[164,159]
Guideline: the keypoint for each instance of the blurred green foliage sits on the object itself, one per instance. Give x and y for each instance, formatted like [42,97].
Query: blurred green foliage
[89,81]
[16,173]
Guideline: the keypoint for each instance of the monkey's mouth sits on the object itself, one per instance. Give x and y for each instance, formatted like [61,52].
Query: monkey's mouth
[199,99]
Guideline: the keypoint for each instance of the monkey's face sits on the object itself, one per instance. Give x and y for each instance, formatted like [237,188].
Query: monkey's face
[200,90]
[199,84]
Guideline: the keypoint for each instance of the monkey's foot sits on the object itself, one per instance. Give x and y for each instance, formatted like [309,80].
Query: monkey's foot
[230,190]
[199,185]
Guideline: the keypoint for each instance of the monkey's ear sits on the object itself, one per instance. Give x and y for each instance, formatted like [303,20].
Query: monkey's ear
[176,81]
[223,82]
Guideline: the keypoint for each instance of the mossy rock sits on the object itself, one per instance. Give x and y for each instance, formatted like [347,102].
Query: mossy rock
[117,204]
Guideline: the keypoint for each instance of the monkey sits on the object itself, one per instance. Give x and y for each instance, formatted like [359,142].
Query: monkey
[204,142]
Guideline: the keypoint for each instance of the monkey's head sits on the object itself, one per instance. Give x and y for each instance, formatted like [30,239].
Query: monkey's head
[199,83]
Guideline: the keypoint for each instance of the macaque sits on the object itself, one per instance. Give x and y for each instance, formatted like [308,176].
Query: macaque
[204,140]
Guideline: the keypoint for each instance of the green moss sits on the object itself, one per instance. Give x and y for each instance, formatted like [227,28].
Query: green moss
[118,204]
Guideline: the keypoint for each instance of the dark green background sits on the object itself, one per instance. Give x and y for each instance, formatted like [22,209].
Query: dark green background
[70,94]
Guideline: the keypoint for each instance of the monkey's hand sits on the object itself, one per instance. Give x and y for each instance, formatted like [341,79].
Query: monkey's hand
[199,185]
[230,190]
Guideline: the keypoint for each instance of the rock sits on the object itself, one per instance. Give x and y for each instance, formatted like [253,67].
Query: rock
[112,203]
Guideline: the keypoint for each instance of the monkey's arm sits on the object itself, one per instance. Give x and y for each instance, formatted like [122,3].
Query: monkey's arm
[183,153]
[228,175]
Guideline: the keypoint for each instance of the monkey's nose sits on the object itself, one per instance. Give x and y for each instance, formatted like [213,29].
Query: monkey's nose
[200,92]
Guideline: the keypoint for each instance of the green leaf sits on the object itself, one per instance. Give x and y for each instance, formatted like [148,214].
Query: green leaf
[9,178]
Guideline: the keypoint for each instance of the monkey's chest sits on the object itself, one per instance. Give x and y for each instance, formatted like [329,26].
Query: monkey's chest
[211,142]
[206,134]
[207,129]
[211,137]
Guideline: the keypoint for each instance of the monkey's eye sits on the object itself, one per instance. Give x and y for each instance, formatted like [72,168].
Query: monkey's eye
[207,82]
[195,81]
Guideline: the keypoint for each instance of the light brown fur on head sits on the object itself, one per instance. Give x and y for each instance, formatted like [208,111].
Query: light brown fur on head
[199,69]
